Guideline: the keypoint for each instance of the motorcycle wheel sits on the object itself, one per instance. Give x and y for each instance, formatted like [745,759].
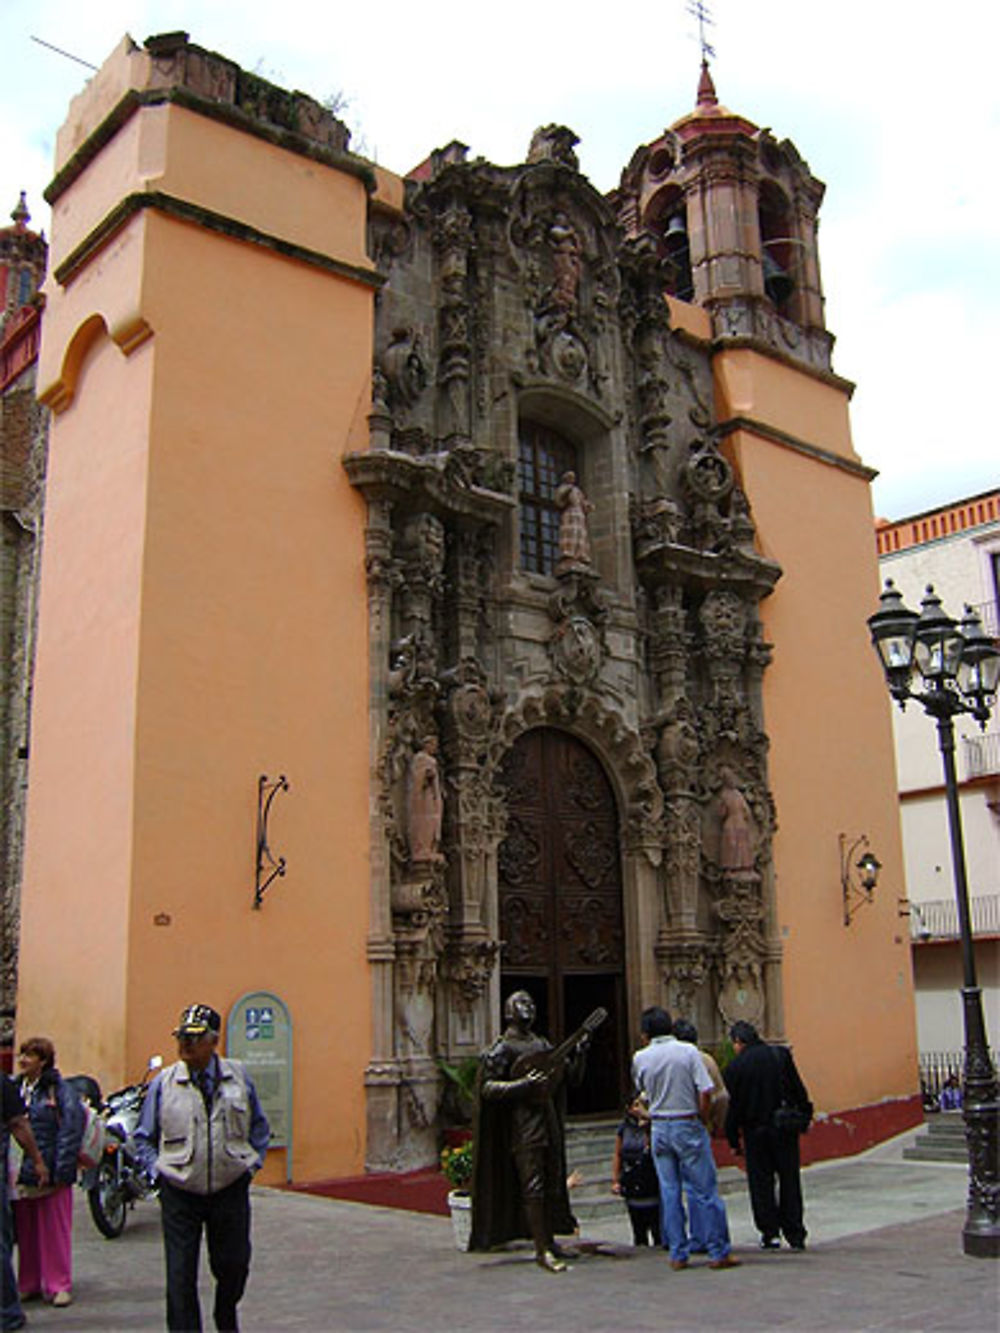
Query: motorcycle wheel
[107,1201]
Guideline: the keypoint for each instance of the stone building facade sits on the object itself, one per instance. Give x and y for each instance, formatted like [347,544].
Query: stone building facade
[23,425]
[522,335]
[514,525]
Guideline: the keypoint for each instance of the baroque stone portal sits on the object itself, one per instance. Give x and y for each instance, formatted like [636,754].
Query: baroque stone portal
[556,542]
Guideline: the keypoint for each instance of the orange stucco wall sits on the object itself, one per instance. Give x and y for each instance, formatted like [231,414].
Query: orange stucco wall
[848,990]
[203,617]
[75,904]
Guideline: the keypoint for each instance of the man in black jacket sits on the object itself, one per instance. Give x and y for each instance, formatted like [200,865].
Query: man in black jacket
[761,1078]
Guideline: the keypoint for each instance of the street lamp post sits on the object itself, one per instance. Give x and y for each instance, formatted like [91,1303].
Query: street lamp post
[955,670]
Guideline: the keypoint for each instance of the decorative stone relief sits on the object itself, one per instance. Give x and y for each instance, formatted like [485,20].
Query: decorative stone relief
[405,374]
[510,293]
[554,143]
[468,966]
[741,912]
[687,966]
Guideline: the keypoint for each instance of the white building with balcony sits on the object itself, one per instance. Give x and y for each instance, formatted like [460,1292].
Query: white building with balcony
[956,548]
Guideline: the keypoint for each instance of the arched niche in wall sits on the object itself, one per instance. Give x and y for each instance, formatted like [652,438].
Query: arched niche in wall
[778,249]
[666,217]
[127,333]
[559,432]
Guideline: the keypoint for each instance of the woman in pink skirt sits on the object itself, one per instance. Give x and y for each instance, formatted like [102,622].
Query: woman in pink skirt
[44,1217]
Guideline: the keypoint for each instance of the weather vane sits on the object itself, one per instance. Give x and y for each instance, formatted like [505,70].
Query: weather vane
[699,10]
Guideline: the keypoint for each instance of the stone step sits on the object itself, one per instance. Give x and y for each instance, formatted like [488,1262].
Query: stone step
[590,1142]
[942,1140]
[590,1147]
[593,1201]
[924,1151]
[948,1125]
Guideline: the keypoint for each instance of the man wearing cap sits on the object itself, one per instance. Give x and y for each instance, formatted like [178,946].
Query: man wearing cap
[202,1135]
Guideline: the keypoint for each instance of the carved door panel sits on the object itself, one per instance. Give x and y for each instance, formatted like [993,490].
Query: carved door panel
[561,902]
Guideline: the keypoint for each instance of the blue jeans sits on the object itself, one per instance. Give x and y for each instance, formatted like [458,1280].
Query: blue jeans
[682,1154]
[10,1305]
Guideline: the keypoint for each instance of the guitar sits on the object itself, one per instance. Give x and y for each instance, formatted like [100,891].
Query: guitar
[552,1062]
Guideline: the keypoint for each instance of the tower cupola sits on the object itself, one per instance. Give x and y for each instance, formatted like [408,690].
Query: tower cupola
[23,257]
[734,212]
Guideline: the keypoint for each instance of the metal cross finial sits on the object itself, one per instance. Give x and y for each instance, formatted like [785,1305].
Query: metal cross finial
[699,10]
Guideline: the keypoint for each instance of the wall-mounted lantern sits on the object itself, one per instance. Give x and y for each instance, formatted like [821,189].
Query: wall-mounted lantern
[857,881]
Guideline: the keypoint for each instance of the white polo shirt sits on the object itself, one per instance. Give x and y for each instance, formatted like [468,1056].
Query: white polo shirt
[673,1076]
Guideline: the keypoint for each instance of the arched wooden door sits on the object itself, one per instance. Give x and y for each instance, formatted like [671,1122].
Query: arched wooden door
[561,903]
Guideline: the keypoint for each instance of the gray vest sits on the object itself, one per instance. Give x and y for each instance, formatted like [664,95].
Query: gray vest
[199,1153]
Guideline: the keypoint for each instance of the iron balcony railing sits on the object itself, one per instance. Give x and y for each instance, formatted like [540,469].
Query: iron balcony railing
[936,1067]
[937,919]
[982,755]
[988,614]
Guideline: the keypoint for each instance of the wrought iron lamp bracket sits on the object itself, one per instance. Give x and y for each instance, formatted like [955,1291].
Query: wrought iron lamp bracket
[856,895]
[269,867]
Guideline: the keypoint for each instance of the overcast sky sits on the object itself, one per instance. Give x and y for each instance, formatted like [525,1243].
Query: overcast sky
[894,104]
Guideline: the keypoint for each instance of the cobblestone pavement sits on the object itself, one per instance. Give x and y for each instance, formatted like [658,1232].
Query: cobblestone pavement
[884,1253]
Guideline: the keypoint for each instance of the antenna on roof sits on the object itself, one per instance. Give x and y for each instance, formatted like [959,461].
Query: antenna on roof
[699,10]
[60,52]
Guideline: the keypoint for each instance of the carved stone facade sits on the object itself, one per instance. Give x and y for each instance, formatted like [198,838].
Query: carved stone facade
[510,300]
[23,440]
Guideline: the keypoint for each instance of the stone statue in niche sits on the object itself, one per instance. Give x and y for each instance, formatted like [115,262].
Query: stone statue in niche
[736,840]
[567,261]
[425,804]
[574,539]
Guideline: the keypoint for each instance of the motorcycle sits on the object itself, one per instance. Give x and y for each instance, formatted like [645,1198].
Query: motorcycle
[117,1181]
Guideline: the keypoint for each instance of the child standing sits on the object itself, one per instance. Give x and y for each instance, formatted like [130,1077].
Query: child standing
[633,1175]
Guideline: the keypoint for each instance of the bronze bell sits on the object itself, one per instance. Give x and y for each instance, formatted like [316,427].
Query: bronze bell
[777,283]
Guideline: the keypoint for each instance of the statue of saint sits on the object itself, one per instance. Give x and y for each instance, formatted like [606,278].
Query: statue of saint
[574,539]
[736,843]
[566,261]
[519,1158]
[425,803]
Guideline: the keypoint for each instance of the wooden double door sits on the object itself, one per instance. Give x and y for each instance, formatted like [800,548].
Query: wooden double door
[560,891]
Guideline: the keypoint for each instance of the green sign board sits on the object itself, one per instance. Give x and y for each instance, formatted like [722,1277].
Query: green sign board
[259,1032]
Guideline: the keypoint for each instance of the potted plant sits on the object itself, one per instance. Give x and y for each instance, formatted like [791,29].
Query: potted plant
[456,1164]
[459,1095]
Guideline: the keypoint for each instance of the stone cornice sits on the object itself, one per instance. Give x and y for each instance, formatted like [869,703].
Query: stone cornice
[135,100]
[754,344]
[740,571]
[206,218]
[776,436]
[433,483]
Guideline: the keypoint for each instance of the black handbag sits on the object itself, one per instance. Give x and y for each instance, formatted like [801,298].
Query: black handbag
[788,1117]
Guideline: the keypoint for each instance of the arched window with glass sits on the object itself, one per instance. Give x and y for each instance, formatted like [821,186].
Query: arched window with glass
[543,456]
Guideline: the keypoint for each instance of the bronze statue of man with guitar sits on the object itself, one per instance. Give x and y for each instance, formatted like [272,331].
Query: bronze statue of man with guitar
[519,1168]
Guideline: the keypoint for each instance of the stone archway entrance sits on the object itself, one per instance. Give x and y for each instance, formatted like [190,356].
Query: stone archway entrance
[560,902]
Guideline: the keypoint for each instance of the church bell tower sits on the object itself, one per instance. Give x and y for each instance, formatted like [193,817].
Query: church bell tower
[734,212]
